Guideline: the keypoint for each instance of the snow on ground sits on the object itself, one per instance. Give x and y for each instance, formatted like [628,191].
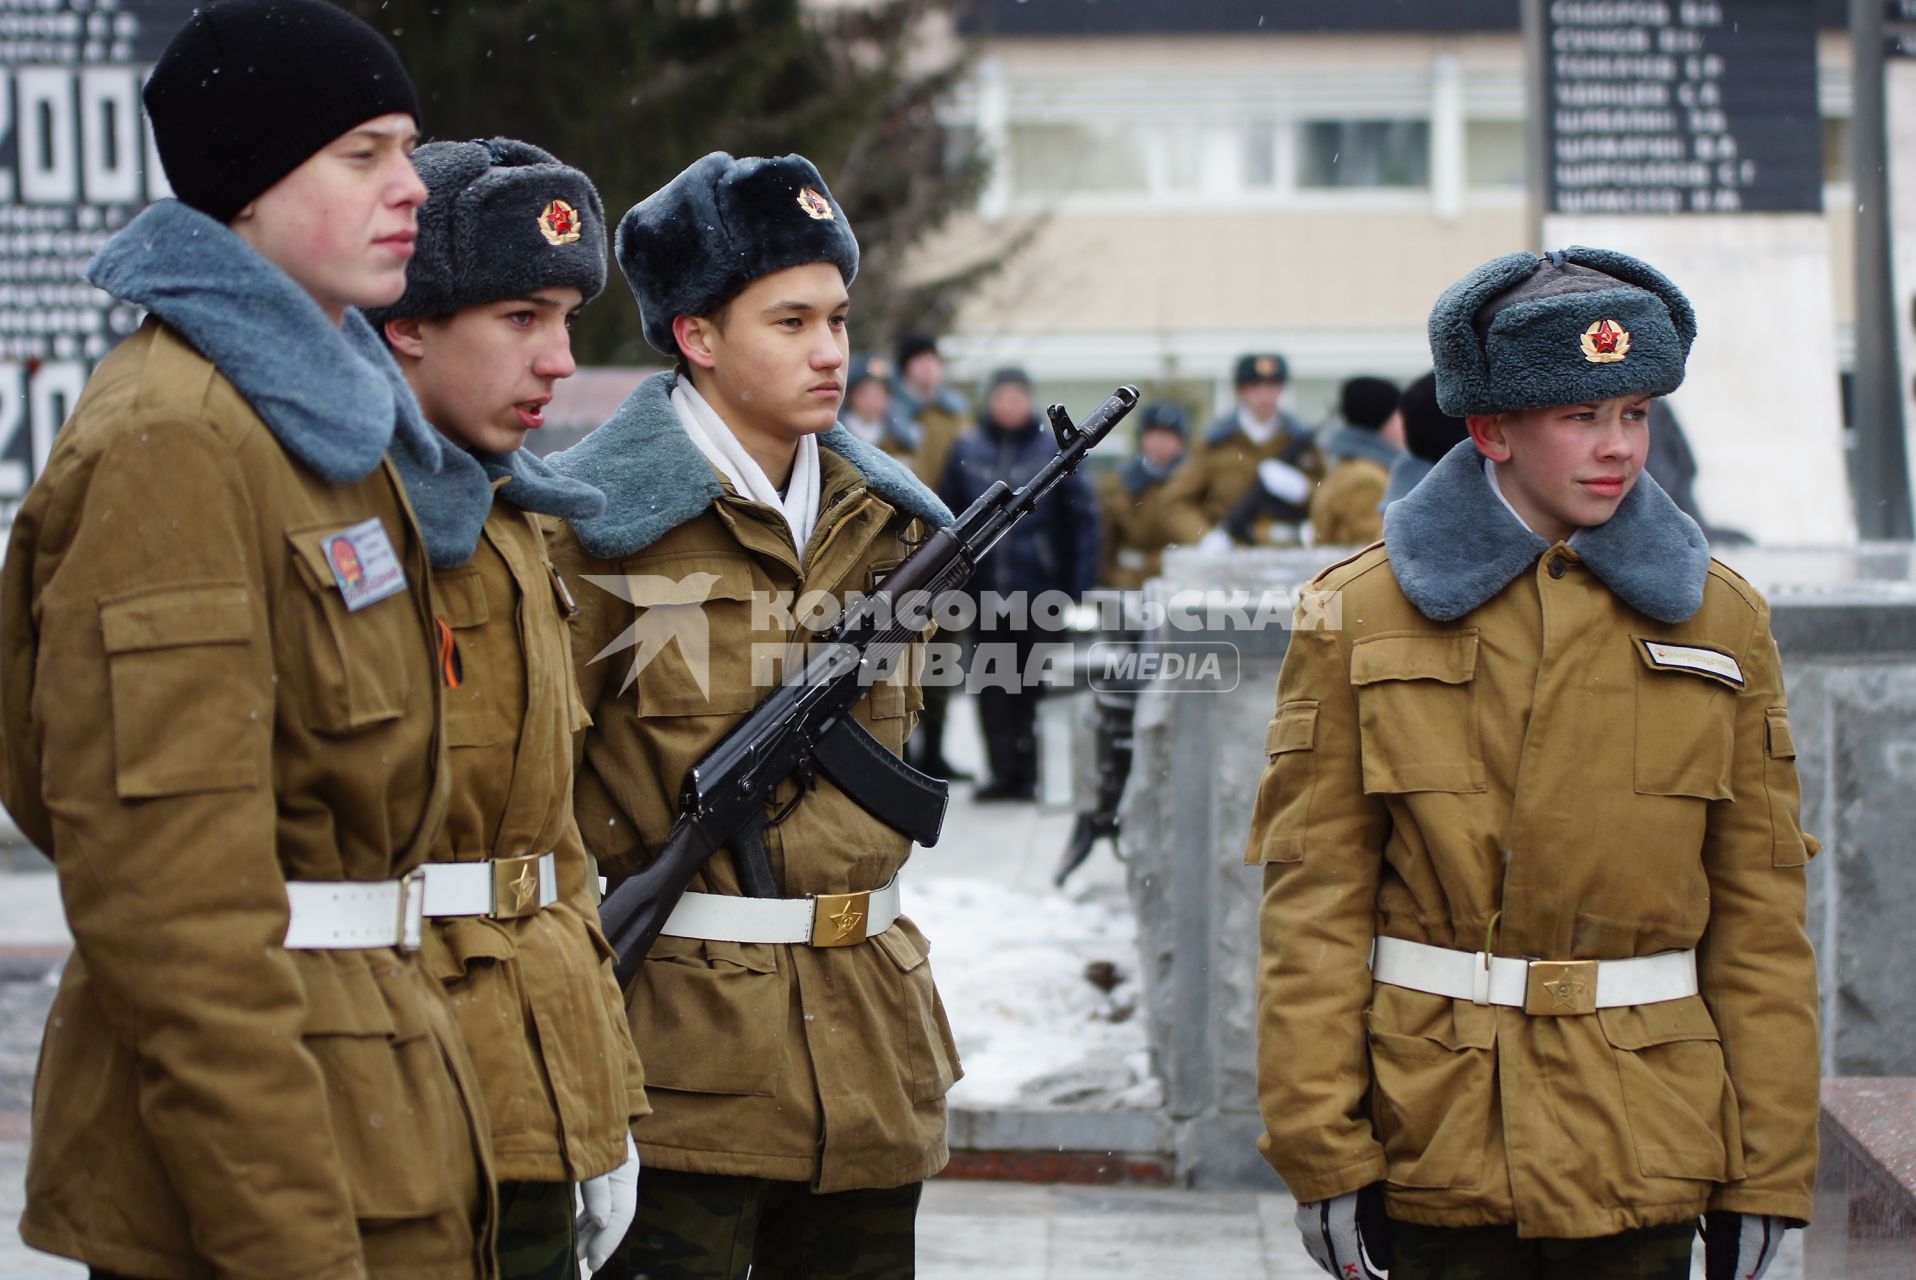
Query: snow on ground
[1032,1028]
[1010,953]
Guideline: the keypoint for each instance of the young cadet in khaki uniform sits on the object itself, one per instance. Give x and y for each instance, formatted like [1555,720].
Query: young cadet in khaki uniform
[1545,764]
[796,1064]
[511,247]
[1249,480]
[221,713]
[1131,500]
[1348,508]
[871,414]
[922,398]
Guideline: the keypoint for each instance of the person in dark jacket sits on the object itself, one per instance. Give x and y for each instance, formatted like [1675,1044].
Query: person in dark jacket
[1056,550]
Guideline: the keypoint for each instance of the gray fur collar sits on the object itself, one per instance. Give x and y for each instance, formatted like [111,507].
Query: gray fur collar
[451,494]
[1405,471]
[1347,441]
[1453,545]
[655,478]
[330,394]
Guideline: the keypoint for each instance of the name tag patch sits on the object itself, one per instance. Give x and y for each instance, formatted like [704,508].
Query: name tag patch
[1708,662]
[363,564]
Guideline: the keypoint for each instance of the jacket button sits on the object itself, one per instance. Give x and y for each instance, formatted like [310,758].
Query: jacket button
[1557,567]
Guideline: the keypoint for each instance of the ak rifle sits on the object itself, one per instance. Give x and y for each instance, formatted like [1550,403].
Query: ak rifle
[804,728]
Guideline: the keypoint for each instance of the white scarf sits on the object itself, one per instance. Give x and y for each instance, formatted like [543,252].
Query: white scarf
[1259,431]
[798,504]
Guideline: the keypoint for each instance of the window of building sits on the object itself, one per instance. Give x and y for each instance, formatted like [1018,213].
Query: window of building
[1260,154]
[1341,154]
[1063,159]
[1493,154]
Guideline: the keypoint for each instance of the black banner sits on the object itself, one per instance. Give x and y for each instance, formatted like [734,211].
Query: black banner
[1681,106]
[76,163]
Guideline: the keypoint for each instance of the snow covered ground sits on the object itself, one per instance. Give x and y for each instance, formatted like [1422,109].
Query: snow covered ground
[1040,984]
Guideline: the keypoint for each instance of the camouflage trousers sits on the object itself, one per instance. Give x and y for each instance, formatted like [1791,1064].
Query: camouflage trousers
[696,1226]
[536,1231]
[1495,1253]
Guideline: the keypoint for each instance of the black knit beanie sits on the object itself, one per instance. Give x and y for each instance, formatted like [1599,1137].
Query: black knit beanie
[248,90]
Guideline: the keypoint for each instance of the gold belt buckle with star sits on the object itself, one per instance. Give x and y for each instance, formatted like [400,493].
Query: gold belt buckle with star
[1561,988]
[515,886]
[839,919]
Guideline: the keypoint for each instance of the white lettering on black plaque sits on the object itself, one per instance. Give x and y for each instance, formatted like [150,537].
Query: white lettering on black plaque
[76,163]
[1681,106]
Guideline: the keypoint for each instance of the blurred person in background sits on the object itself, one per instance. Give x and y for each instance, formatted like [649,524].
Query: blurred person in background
[939,415]
[1249,480]
[1429,434]
[921,397]
[870,414]
[1054,550]
[1348,510]
[1131,499]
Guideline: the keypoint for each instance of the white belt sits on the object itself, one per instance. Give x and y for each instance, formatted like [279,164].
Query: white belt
[503,888]
[823,920]
[345,915]
[1549,987]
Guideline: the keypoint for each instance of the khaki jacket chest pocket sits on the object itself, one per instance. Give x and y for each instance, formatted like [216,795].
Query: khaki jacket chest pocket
[1686,725]
[1417,711]
[359,666]
[691,638]
[187,716]
[896,699]
[471,720]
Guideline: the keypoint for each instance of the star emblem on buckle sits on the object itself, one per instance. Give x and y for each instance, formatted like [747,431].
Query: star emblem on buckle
[525,886]
[847,920]
[1566,993]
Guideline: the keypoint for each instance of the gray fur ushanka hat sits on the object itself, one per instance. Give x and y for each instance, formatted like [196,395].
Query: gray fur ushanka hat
[1570,327]
[692,246]
[502,219]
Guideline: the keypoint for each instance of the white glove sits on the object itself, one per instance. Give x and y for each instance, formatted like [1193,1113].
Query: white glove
[1283,481]
[608,1203]
[1740,1246]
[1215,540]
[1348,1235]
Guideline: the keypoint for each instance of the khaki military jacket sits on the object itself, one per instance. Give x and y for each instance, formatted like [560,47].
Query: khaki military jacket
[1347,509]
[940,429]
[192,718]
[535,996]
[1532,771]
[1222,468]
[823,1065]
[1134,531]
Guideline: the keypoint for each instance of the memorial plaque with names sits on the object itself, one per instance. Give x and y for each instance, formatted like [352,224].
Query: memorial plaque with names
[1681,106]
[76,164]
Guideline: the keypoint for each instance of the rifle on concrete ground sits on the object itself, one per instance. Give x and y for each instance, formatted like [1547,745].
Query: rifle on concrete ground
[805,727]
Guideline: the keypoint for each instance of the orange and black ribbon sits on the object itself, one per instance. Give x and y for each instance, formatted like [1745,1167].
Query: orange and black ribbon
[450,668]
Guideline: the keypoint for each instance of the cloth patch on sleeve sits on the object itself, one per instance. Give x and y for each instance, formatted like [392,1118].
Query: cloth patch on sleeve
[1679,657]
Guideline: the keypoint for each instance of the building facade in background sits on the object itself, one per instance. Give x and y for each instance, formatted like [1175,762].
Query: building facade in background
[1216,176]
